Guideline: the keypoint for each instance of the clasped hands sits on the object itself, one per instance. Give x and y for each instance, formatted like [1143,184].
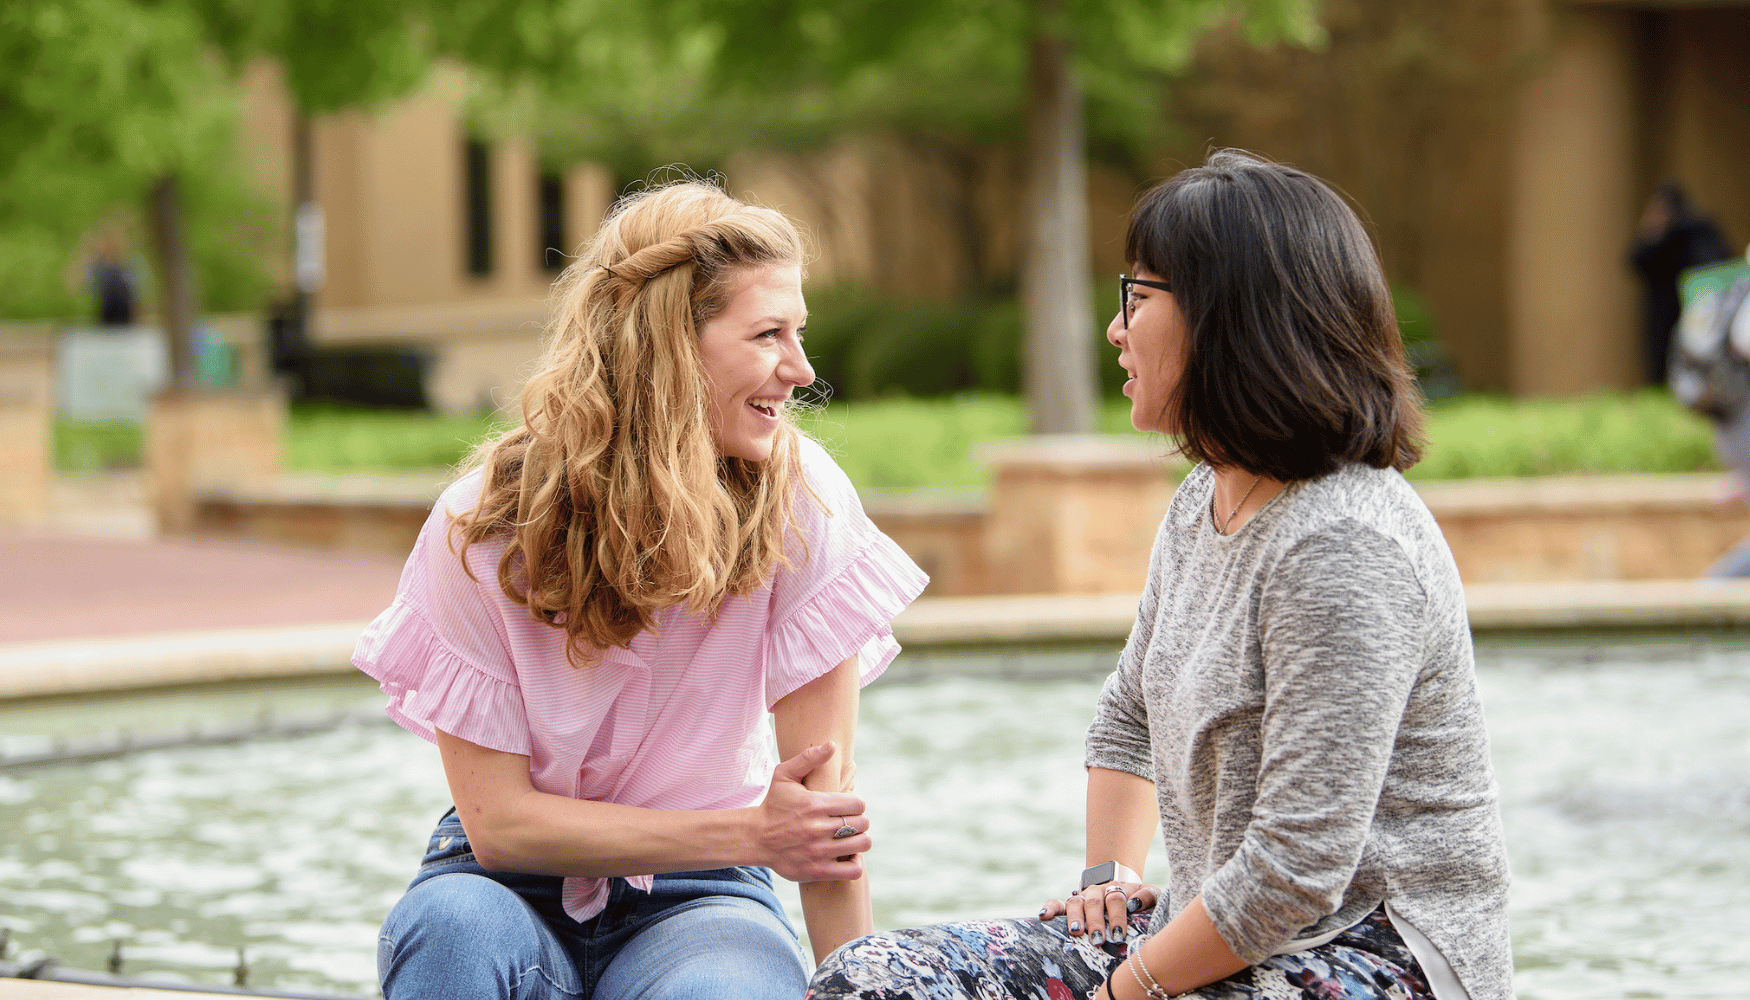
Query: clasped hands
[809,836]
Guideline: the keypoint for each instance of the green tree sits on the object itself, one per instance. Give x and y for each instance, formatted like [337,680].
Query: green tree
[110,105]
[332,56]
[107,104]
[693,79]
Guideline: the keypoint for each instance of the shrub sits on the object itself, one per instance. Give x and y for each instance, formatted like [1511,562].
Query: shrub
[869,347]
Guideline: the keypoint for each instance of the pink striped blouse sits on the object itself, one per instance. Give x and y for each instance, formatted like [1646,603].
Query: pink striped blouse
[678,721]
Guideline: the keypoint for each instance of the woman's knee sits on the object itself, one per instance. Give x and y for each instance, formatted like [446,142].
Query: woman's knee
[465,935]
[724,947]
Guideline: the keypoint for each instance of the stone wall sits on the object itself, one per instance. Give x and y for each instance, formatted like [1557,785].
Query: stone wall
[26,421]
[1070,517]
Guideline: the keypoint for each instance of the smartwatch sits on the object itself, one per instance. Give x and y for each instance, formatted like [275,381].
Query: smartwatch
[1108,871]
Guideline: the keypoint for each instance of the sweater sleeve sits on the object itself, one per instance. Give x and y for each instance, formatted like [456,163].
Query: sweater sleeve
[1118,738]
[1340,626]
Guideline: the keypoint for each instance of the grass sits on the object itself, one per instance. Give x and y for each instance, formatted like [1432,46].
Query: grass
[911,443]
[95,445]
[1644,431]
[329,438]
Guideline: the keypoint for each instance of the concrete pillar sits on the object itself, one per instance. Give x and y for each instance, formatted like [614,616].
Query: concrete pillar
[589,193]
[198,442]
[1073,514]
[516,252]
[1573,308]
[26,422]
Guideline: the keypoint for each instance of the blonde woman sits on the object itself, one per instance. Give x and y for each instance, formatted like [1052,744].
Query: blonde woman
[597,619]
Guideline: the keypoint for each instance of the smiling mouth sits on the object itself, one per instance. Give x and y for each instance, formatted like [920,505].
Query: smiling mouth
[767,407]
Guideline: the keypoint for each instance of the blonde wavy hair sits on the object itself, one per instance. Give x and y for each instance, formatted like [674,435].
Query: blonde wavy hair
[613,495]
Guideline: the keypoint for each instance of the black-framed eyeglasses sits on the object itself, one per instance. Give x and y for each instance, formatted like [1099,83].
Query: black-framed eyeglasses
[1125,302]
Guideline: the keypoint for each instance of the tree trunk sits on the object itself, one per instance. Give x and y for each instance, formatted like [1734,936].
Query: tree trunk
[176,298]
[307,250]
[1055,287]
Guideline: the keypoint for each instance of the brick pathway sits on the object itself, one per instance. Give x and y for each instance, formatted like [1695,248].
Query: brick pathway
[55,586]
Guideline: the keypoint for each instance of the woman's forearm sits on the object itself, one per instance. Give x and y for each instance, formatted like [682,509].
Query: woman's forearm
[826,709]
[1186,954]
[835,912]
[513,827]
[1122,816]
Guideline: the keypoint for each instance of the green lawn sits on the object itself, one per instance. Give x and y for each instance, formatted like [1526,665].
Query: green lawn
[326,439]
[906,443]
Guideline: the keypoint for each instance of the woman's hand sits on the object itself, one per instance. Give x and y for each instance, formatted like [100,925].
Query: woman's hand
[1103,911]
[798,831]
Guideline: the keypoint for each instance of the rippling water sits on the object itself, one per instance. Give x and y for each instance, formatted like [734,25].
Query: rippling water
[1626,794]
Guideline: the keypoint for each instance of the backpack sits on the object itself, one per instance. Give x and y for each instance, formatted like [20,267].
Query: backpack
[1710,355]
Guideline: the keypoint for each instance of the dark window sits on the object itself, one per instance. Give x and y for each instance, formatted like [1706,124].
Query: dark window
[551,223]
[477,167]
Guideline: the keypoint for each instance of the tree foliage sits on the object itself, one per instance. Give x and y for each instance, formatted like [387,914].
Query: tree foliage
[98,98]
[640,85]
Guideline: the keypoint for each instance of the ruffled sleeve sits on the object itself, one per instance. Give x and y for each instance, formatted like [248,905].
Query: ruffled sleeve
[439,651]
[846,583]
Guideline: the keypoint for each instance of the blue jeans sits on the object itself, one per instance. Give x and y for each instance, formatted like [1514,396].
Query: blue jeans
[463,933]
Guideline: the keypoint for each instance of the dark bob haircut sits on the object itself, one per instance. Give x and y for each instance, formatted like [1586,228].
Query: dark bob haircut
[1294,366]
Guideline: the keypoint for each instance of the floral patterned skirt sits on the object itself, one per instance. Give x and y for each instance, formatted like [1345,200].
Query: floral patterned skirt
[1028,959]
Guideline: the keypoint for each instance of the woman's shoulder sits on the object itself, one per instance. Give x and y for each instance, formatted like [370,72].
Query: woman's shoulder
[462,495]
[1382,498]
[1360,500]
[827,501]
[821,471]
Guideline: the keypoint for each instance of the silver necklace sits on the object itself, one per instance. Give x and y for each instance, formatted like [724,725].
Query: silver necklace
[1221,526]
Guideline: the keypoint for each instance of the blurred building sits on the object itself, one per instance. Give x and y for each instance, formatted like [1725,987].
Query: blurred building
[1501,149]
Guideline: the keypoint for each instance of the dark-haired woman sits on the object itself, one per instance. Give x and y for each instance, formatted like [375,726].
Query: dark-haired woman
[1296,707]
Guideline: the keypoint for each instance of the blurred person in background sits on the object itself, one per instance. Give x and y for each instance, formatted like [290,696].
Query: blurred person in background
[112,281]
[1710,374]
[1672,238]
[597,619]
[1297,705]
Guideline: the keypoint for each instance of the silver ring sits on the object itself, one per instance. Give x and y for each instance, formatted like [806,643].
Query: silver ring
[844,831]
[1118,889]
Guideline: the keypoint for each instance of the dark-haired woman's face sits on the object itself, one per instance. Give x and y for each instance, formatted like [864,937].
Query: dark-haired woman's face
[1152,350]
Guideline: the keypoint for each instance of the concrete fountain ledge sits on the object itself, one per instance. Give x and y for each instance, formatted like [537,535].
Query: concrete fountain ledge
[1575,612]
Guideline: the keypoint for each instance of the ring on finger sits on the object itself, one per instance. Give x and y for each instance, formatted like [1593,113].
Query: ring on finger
[844,830]
[1117,889]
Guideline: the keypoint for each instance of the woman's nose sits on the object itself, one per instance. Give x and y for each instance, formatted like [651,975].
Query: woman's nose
[794,368]
[1115,330]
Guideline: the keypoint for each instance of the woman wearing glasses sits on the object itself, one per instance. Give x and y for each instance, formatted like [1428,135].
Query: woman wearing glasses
[597,619]
[1296,708]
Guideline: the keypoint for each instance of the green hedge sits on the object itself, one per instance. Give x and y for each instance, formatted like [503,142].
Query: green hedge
[324,438]
[923,443]
[911,443]
[1645,431]
[869,347]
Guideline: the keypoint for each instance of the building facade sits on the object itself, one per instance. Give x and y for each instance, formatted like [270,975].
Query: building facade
[1500,149]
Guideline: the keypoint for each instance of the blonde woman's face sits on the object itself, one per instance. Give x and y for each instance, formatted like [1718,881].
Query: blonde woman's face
[754,360]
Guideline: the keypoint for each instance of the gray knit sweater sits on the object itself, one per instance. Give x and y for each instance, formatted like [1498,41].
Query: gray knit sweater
[1303,696]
